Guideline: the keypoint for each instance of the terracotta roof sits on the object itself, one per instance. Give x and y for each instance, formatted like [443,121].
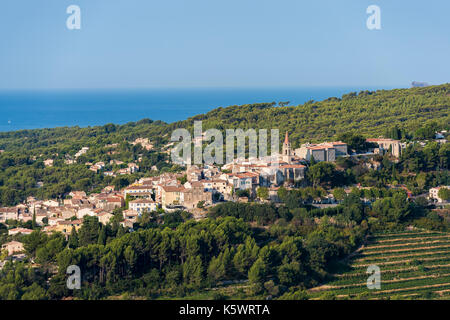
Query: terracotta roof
[293,166]
[137,188]
[71,222]
[142,201]
[173,189]
[21,230]
[381,140]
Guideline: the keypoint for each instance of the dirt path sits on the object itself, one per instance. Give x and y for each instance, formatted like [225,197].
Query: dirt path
[389,235]
[442,292]
[374,261]
[402,261]
[326,287]
[402,244]
[401,239]
[392,270]
[404,289]
[368,253]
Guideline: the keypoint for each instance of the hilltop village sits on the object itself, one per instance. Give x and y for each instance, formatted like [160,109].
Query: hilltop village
[193,190]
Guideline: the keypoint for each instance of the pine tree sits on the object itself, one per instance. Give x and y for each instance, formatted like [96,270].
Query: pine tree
[102,236]
[33,223]
[120,232]
[73,239]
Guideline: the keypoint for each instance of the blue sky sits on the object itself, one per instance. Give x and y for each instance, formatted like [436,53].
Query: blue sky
[232,43]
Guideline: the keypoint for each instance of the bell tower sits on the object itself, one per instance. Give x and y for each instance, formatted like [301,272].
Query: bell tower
[287,153]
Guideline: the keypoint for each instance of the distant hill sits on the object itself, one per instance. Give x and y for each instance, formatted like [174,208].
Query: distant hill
[416,84]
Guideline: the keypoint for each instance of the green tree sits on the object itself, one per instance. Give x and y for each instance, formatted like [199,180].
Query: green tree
[444,193]
[73,239]
[89,231]
[262,193]
[339,194]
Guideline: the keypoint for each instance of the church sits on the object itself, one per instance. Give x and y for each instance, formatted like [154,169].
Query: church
[291,166]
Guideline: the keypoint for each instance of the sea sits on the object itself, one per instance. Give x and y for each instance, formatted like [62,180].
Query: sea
[60,108]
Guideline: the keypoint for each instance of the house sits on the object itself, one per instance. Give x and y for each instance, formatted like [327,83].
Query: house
[141,205]
[132,168]
[85,212]
[218,186]
[78,194]
[172,195]
[105,217]
[19,231]
[13,247]
[144,142]
[95,168]
[193,173]
[108,189]
[68,213]
[40,218]
[66,226]
[81,152]
[139,191]
[130,215]
[326,151]
[195,194]
[51,203]
[293,172]
[24,217]
[48,162]
[8,214]
[242,180]
[127,223]
[109,203]
[434,193]
[115,162]
[123,171]
[385,145]
[53,221]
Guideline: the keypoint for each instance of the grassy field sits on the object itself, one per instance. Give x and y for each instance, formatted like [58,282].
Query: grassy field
[413,264]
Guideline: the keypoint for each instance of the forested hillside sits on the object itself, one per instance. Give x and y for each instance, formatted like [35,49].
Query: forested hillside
[368,113]
[371,113]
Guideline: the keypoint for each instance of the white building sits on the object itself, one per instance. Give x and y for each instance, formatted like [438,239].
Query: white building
[435,191]
[141,205]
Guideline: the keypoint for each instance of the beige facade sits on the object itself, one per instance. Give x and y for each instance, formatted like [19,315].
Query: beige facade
[388,144]
[13,247]
[105,217]
[195,194]
[66,226]
[327,151]
[8,214]
[172,195]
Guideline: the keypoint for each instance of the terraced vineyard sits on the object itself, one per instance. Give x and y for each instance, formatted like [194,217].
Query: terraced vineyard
[414,265]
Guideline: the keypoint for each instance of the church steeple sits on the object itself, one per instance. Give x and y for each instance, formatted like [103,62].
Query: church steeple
[286,139]
[286,146]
